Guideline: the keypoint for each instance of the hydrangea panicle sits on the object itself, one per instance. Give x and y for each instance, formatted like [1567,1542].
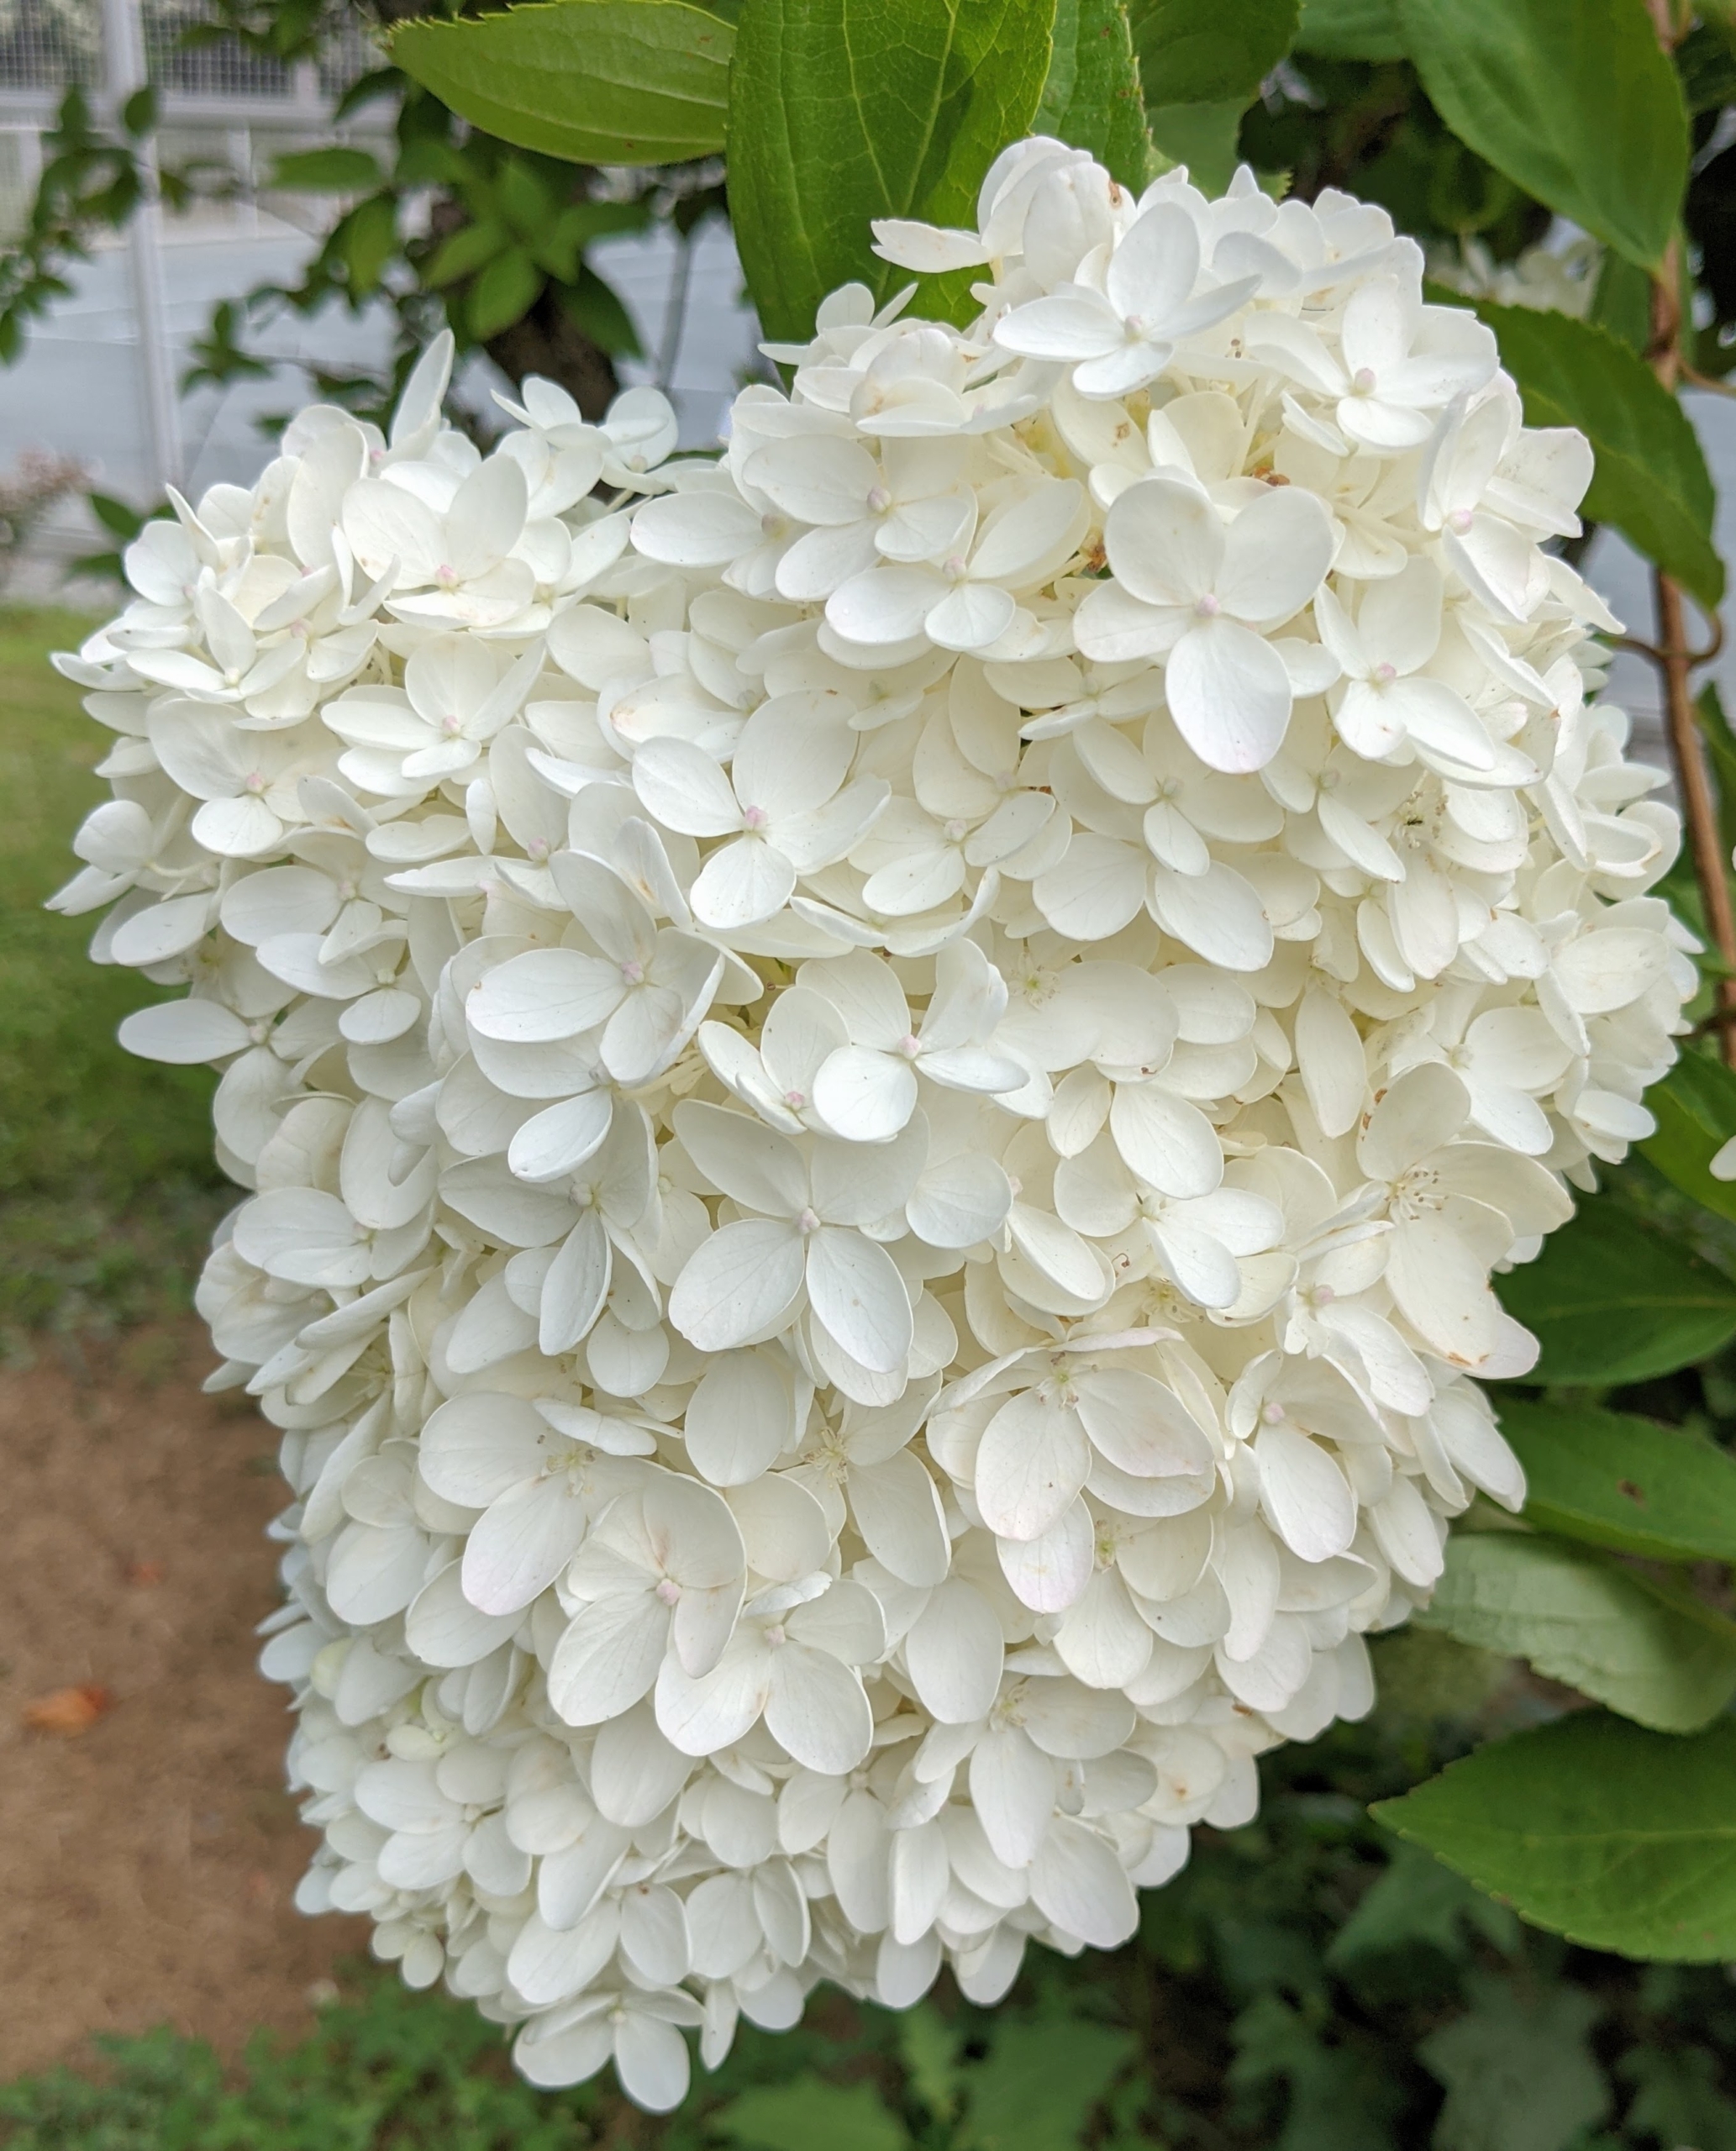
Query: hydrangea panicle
[878,1083]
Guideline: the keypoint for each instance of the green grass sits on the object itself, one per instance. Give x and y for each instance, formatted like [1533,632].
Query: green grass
[108,1187]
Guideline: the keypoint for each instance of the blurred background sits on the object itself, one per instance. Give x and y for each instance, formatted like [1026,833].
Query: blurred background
[210,215]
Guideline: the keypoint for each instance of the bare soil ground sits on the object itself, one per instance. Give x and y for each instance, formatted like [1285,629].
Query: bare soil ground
[146,1862]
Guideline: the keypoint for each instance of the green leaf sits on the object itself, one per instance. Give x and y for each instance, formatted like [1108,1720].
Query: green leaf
[1581,1618]
[502,294]
[1573,99]
[1518,2069]
[1092,99]
[1721,745]
[1040,2082]
[465,253]
[327,171]
[1622,303]
[1611,1299]
[1651,480]
[596,81]
[1617,1837]
[1201,136]
[1351,30]
[844,110]
[595,307]
[809,2116]
[1191,53]
[1417,1901]
[367,240]
[1611,1479]
[1695,1107]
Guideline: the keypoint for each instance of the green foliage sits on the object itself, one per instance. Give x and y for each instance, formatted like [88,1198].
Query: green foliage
[1092,97]
[841,111]
[1651,479]
[1611,1479]
[336,170]
[1573,99]
[108,1190]
[1657,1656]
[598,81]
[1613,1299]
[1518,2070]
[1694,1106]
[1189,55]
[798,2116]
[1204,137]
[1614,1836]
[1351,30]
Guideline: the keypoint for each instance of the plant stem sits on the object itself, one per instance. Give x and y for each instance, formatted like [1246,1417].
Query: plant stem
[1674,658]
[1699,808]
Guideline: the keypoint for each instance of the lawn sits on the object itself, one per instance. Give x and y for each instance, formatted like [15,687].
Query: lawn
[108,1190]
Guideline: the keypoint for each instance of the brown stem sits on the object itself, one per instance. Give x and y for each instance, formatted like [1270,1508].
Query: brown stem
[1672,657]
[1698,805]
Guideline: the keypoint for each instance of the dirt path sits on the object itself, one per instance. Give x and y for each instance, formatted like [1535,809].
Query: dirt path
[147,1863]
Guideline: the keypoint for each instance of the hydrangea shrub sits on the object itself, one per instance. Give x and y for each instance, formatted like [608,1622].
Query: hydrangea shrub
[879,1082]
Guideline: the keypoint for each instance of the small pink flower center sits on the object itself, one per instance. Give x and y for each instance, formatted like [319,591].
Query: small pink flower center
[755,818]
[954,567]
[1459,520]
[255,784]
[668,1592]
[879,499]
[1273,1414]
[910,1045]
[795,1100]
[1207,608]
[445,577]
[451,726]
[957,830]
[1363,381]
[808,1221]
[634,972]
[1385,674]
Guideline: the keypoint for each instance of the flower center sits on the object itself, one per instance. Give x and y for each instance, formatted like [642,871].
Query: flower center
[668,1592]
[1459,520]
[807,1222]
[634,972]
[1207,608]
[1363,381]
[753,817]
[879,499]
[1385,673]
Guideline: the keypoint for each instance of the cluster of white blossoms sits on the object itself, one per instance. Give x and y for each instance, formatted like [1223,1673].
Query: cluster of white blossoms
[880,1081]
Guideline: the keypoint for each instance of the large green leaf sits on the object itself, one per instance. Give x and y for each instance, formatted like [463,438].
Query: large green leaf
[1615,1836]
[1038,2086]
[599,82]
[844,110]
[1518,2069]
[1092,99]
[1573,99]
[1694,1106]
[1581,1617]
[809,2116]
[1651,480]
[1191,53]
[1351,30]
[1204,137]
[1614,1480]
[1612,1299]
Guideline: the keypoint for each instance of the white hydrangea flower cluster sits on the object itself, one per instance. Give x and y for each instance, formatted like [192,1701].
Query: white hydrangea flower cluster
[881,1081]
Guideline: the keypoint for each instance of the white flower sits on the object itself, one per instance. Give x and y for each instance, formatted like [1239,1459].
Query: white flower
[967,600]
[803,1236]
[1200,597]
[781,804]
[877,1091]
[1123,336]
